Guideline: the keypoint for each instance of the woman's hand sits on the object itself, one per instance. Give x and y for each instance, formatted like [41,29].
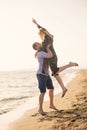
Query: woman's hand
[34,21]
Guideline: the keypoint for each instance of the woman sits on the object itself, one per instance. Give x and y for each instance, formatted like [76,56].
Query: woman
[47,38]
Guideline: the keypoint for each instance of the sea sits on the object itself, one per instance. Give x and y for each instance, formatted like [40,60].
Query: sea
[19,93]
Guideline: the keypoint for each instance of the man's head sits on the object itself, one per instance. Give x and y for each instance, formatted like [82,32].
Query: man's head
[36,46]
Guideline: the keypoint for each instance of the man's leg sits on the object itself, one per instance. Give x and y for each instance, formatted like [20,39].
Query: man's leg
[51,93]
[51,96]
[71,64]
[64,90]
[41,99]
[42,87]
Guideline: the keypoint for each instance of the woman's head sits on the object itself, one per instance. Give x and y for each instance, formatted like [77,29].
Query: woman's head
[42,33]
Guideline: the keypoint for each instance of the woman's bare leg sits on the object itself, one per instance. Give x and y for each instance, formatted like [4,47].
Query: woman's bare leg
[71,64]
[58,78]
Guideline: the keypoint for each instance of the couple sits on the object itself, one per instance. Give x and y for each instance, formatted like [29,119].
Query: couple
[47,58]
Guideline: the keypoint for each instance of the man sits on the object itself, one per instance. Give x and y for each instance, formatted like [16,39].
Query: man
[44,80]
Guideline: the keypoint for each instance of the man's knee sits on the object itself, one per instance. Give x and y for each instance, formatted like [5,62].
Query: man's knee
[51,90]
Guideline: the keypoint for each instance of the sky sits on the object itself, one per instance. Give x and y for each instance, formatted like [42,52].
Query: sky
[65,19]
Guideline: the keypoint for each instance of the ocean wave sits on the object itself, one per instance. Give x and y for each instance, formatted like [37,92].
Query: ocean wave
[4,111]
[19,86]
[13,98]
[9,104]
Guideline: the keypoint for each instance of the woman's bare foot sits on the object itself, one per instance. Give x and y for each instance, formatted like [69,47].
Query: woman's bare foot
[73,64]
[64,92]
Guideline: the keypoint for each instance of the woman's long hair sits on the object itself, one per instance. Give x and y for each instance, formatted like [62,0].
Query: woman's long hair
[42,33]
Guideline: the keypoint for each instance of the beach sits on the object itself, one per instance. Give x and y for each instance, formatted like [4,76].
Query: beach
[65,22]
[71,113]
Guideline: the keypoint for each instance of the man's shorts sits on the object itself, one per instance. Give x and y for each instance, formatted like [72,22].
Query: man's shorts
[44,82]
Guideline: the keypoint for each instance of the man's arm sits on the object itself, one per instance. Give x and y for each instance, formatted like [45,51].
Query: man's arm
[43,54]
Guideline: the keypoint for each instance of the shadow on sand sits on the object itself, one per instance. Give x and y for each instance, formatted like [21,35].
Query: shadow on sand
[71,119]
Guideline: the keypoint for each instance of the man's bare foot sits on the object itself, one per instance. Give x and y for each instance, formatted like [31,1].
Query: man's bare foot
[53,107]
[42,112]
[73,64]
[64,92]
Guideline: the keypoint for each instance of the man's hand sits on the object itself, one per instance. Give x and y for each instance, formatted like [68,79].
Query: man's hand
[35,54]
[49,51]
[48,46]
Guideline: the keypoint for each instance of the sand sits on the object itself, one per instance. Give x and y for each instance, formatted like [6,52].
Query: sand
[71,113]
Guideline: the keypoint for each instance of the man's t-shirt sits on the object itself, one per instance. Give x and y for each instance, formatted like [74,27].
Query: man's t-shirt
[43,69]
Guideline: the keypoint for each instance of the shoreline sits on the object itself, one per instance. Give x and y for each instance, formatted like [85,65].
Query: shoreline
[63,104]
[32,102]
